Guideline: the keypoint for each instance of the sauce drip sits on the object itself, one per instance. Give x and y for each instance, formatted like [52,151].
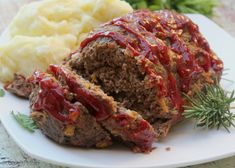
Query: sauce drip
[87,99]
[51,99]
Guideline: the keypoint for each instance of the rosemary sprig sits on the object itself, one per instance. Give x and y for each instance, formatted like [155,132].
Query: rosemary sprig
[183,6]
[25,121]
[2,92]
[211,108]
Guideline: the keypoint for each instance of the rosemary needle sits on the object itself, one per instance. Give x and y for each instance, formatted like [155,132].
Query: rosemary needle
[211,108]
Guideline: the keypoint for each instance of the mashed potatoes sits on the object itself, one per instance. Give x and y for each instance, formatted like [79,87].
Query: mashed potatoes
[47,31]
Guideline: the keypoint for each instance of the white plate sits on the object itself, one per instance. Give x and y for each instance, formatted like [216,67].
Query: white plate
[188,145]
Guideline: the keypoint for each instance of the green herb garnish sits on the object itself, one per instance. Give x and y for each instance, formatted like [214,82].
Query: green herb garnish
[211,108]
[2,92]
[204,7]
[25,121]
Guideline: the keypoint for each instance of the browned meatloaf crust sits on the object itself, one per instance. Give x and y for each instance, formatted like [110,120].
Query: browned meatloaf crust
[19,86]
[147,61]
[46,101]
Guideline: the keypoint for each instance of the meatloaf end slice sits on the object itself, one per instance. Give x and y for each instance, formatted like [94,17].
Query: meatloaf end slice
[61,118]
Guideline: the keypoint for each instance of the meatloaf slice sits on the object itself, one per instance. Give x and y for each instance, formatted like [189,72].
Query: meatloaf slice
[59,102]
[61,117]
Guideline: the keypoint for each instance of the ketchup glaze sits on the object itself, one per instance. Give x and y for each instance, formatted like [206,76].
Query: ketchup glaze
[101,111]
[51,98]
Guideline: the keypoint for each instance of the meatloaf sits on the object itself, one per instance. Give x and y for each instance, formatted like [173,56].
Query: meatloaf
[127,81]
[147,61]
[71,110]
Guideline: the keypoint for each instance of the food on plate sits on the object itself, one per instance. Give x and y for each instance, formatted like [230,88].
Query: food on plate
[71,110]
[45,32]
[130,79]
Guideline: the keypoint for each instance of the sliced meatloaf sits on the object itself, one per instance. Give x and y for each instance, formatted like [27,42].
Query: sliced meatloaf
[61,117]
[127,81]
[147,61]
[121,123]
